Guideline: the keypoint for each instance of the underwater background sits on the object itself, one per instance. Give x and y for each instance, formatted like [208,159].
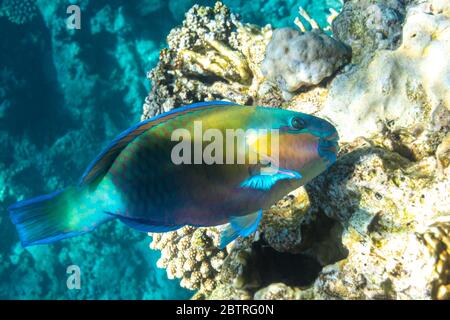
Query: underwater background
[64,94]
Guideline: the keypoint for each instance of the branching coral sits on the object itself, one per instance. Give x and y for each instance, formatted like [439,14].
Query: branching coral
[211,56]
[18,11]
[191,255]
[302,12]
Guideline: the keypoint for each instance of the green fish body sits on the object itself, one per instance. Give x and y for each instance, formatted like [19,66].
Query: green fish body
[188,167]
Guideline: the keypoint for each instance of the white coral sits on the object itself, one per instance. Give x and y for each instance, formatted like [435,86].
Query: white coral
[294,59]
[400,87]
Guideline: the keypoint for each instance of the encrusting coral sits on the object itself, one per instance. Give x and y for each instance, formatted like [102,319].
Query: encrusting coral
[368,25]
[277,291]
[404,92]
[376,224]
[384,202]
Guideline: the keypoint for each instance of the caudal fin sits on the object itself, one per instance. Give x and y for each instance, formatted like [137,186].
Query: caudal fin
[62,214]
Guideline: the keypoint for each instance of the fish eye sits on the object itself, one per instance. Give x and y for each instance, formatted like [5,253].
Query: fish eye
[298,123]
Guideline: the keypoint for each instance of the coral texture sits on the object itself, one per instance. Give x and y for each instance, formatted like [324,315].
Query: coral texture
[404,91]
[294,59]
[190,255]
[211,56]
[370,25]
[384,202]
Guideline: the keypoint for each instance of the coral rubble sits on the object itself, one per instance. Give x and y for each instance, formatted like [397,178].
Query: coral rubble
[376,224]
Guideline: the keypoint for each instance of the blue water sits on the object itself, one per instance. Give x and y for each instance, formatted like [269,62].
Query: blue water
[65,94]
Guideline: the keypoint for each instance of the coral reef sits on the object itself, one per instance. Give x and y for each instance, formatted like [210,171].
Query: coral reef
[85,87]
[222,58]
[294,59]
[40,272]
[277,291]
[437,240]
[385,202]
[376,224]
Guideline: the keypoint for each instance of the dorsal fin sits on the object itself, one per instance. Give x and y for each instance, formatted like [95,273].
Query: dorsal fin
[100,166]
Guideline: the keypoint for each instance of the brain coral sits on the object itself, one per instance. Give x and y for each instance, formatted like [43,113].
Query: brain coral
[294,59]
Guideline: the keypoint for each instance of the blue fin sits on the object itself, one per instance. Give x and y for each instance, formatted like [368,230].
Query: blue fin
[143,225]
[49,218]
[100,166]
[240,226]
[266,181]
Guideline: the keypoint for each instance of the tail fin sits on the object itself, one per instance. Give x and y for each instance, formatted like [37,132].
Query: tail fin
[62,214]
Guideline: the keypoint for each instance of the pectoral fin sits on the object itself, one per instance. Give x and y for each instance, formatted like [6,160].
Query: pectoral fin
[267,177]
[240,226]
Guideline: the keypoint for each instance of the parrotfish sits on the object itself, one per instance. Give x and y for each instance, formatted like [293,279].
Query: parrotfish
[140,180]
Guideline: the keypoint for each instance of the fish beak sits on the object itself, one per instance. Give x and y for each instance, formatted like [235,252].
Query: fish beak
[328,147]
[333,137]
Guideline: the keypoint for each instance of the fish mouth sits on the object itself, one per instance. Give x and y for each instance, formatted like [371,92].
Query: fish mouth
[332,137]
[328,148]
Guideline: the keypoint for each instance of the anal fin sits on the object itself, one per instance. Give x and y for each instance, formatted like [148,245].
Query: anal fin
[240,226]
